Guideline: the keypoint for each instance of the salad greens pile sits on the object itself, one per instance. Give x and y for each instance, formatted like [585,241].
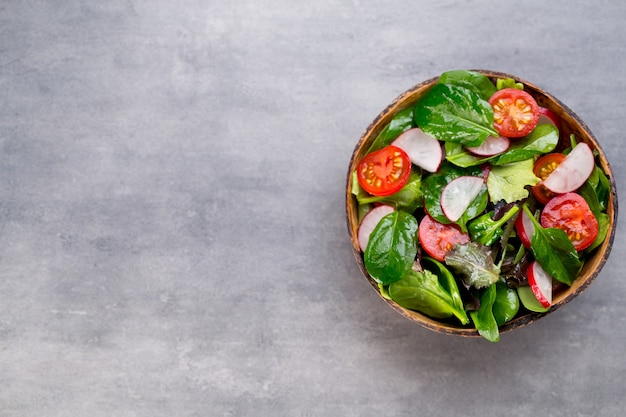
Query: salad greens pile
[482,281]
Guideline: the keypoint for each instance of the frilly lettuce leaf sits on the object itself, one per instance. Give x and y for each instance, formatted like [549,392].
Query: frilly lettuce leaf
[474,263]
[508,182]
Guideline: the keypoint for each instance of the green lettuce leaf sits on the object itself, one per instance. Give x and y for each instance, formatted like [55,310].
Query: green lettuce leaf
[508,182]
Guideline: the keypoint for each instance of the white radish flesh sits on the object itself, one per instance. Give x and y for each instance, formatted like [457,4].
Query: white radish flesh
[572,173]
[423,150]
[369,222]
[541,284]
[457,196]
[492,145]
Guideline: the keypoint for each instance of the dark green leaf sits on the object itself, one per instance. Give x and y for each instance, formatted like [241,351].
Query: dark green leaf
[543,139]
[392,247]
[591,197]
[554,252]
[603,189]
[459,156]
[487,231]
[484,319]
[421,291]
[402,121]
[604,224]
[506,304]
[472,80]
[448,282]
[456,114]
[408,199]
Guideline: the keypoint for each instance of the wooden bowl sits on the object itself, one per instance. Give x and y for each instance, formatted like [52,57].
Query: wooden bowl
[571,123]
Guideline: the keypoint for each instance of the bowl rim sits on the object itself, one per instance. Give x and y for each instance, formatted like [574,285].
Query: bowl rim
[573,121]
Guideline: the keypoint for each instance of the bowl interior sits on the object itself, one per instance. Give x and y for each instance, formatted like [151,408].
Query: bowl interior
[570,124]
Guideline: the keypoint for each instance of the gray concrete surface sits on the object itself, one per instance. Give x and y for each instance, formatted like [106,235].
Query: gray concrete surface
[172,233]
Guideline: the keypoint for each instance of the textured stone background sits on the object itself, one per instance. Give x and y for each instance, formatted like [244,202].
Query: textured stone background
[172,233]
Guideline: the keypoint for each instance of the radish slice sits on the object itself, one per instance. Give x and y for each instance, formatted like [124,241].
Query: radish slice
[548,116]
[492,145]
[369,222]
[525,228]
[541,284]
[457,196]
[423,150]
[572,173]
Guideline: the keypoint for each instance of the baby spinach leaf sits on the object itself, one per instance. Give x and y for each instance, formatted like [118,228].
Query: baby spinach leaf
[448,282]
[543,139]
[421,291]
[506,304]
[602,187]
[485,230]
[408,199]
[392,247]
[472,80]
[402,121]
[508,182]
[459,156]
[554,252]
[484,319]
[456,114]
[474,263]
[604,224]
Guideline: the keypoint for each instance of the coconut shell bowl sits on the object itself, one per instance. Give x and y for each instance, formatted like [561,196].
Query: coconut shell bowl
[570,126]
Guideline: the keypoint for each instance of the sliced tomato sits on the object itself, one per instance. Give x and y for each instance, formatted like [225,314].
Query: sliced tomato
[438,239]
[571,213]
[543,167]
[385,171]
[515,112]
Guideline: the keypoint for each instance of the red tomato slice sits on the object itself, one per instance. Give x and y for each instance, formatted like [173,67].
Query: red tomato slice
[543,167]
[570,212]
[384,172]
[437,239]
[515,112]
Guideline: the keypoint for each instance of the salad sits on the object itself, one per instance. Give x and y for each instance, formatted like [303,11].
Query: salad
[474,207]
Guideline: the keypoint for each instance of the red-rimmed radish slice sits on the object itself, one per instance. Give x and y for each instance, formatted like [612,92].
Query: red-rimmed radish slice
[572,173]
[541,284]
[457,196]
[525,228]
[492,145]
[369,222]
[548,116]
[423,150]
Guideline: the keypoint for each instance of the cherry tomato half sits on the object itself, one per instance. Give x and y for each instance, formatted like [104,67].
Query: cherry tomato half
[544,167]
[515,112]
[437,239]
[571,213]
[384,172]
